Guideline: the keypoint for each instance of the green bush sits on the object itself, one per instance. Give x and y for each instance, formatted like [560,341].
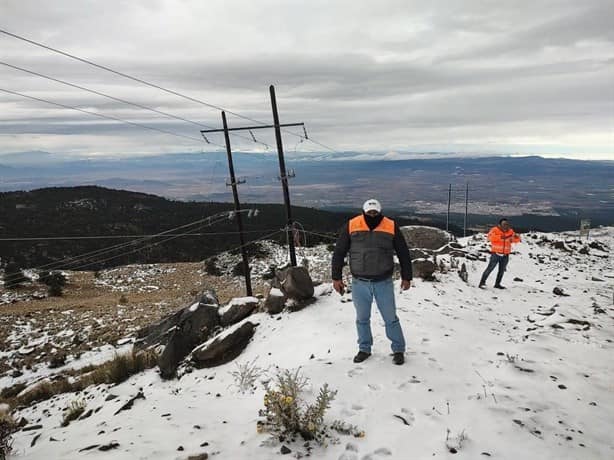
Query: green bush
[287,414]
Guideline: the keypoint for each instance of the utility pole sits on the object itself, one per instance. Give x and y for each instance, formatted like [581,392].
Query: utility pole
[448,214]
[284,178]
[235,195]
[466,208]
[282,165]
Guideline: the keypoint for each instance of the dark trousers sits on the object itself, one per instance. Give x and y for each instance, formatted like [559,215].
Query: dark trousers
[495,259]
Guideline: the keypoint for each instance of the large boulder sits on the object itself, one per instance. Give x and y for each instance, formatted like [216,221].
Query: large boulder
[423,268]
[295,283]
[237,310]
[225,347]
[424,237]
[180,332]
[275,301]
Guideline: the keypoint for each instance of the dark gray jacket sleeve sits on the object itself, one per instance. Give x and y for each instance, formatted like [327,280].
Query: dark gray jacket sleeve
[400,246]
[341,249]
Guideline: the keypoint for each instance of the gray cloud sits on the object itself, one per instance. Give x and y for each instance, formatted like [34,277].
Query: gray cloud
[364,76]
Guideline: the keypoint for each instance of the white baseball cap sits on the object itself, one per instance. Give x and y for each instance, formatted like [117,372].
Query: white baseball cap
[372,205]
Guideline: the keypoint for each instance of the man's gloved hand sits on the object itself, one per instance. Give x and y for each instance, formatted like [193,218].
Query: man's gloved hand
[405,285]
[339,286]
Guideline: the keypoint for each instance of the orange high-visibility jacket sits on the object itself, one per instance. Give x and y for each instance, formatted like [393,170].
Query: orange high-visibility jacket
[501,242]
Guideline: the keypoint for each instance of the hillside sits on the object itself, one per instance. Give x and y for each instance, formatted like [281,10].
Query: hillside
[126,218]
[521,373]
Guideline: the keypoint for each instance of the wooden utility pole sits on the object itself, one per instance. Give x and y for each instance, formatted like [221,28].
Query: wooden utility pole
[235,195]
[448,214]
[466,208]
[282,165]
[284,178]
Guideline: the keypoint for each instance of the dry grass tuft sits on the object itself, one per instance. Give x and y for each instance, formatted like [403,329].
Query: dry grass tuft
[112,372]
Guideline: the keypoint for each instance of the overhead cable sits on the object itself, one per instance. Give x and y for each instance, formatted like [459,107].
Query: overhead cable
[153,85]
[108,117]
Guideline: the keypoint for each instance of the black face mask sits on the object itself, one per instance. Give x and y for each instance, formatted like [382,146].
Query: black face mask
[373,221]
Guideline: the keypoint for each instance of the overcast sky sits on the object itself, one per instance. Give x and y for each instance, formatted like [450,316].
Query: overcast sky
[385,77]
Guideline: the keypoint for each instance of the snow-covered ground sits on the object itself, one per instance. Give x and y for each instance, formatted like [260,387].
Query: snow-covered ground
[521,373]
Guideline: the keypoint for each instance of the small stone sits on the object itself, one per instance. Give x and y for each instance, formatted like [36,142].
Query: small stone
[562,387]
[284,450]
[180,448]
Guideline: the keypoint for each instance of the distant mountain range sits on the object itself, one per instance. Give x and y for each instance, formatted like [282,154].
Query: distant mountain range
[511,186]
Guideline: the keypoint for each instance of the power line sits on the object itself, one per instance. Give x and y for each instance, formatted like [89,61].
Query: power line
[109,117]
[110,249]
[153,85]
[110,237]
[157,243]
[123,101]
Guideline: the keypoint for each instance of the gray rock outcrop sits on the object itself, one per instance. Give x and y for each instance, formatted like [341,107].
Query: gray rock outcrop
[224,349]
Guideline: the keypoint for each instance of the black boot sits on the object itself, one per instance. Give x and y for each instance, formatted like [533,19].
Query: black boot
[361,356]
[398,358]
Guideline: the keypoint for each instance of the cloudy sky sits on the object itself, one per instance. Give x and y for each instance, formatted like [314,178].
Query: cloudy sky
[385,78]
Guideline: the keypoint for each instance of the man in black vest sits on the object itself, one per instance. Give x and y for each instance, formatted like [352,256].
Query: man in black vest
[372,239]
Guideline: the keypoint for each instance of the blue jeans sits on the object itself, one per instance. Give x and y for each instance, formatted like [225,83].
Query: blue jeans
[363,292]
[495,259]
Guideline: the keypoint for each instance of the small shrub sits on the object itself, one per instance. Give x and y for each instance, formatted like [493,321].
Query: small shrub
[55,282]
[73,411]
[53,278]
[211,267]
[246,376]
[55,291]
[7,427]
[287,415]
[13,276]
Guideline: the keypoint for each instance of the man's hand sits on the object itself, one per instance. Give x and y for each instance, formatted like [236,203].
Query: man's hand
[405,285]
[339,286]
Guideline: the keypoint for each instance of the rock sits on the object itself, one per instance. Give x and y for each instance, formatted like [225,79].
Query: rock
[584,251]
[284,450]
[181,332]
[423,237]
[158,333]
[520,280]
[595,278]
[111,445]
[599,246]
[419,254]
[559,291]
[294,282]
[275,301]
[128,405]
[204,456]
[560,245]
[58,359]
[221,350]
[237,310]
[423,269]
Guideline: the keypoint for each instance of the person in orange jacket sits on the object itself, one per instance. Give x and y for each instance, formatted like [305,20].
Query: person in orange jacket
[501,239]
